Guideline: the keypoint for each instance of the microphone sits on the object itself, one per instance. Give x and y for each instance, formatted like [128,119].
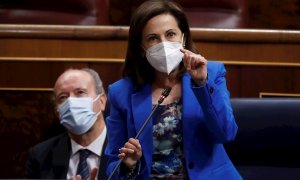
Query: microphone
[163,96]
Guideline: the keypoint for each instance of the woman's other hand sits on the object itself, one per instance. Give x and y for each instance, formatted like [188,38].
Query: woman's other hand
[131,153]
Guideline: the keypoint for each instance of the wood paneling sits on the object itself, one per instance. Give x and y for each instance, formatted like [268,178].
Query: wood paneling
[43,74]
[249,81]
[34,55]
[111,42]
[244,79]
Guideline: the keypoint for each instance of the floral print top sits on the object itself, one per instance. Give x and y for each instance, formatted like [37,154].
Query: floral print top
[167,162]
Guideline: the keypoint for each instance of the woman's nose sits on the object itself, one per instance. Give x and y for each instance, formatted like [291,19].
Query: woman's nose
[163,39]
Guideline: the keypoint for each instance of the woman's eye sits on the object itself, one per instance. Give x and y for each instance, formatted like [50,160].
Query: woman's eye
[152,38]
[171,34]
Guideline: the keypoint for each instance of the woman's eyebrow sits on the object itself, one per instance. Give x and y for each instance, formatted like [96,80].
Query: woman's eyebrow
[151,34]
[173,30]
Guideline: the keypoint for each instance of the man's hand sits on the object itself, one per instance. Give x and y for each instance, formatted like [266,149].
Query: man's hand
[91,177]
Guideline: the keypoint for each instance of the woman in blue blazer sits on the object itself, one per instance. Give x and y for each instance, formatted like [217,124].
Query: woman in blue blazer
[184,138]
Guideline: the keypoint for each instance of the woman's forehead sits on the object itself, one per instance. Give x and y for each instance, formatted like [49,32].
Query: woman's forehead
[160,24]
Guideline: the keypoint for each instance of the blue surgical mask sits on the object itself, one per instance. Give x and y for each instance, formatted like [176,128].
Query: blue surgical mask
[77,115]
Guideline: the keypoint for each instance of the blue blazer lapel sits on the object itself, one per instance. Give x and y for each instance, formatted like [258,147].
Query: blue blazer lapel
[141,108]
[188,101]
[190,110]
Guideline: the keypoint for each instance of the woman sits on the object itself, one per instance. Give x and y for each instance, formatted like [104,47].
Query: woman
[185,137]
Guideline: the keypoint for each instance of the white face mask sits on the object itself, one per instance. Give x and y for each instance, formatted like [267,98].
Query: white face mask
[77,115]
[165,56]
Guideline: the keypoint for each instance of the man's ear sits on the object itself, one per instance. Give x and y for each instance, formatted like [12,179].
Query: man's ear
[103,100]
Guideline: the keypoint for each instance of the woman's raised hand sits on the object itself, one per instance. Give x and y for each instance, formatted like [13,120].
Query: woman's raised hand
[196,66]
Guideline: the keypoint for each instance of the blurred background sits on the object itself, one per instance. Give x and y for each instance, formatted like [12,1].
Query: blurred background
[261,14]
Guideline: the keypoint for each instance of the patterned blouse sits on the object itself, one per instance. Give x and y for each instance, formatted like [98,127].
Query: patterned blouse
[167,162]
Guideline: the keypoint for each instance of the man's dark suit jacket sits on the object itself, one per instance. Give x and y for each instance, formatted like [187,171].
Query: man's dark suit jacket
[50,159]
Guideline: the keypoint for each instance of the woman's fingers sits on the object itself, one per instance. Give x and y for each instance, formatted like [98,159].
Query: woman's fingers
[135,143]
[186,59]
[132,144]
[126,150]
[131,148]
[184,51]
[192,60]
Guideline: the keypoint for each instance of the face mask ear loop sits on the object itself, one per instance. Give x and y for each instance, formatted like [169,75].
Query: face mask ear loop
[97,97]
[96,100]
[183,41]
[98,113]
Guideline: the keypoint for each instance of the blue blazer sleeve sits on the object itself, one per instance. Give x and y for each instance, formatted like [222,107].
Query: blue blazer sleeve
[214,99]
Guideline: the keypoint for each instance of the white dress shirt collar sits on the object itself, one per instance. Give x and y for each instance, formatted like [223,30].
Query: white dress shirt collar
[96,146]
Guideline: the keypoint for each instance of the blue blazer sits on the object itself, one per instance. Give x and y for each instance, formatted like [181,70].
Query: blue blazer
[207,118]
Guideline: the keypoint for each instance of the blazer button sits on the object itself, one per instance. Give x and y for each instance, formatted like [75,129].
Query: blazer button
[191,165]
[211,90]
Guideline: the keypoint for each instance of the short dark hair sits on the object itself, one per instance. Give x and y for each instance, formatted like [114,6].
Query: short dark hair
[136,65]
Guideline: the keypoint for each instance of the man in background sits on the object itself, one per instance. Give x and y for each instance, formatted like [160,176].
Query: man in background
[80,100]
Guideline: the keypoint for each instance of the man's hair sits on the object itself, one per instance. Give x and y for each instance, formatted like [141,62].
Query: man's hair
[97,80]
